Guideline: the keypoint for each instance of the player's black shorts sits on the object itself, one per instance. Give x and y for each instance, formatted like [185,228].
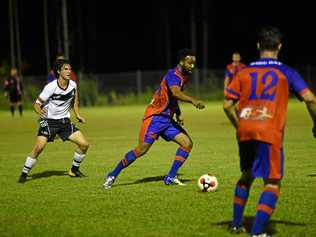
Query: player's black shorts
[50,127]
[15,97]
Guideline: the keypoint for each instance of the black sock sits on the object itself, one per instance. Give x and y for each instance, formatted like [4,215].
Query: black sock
[74,168]
[20,110]
[12,110]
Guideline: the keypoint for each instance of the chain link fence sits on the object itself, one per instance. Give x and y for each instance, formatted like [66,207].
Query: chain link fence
[138,86]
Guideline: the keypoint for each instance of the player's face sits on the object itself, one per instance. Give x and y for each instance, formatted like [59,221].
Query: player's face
[14,72]
[236,58]
[188,64]
[65,71]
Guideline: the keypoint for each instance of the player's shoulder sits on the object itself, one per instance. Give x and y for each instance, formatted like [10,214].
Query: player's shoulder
[72,83]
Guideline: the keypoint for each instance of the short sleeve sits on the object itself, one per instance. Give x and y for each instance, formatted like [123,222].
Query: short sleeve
[296,82]
[228,73]
[46,93]
[173,80]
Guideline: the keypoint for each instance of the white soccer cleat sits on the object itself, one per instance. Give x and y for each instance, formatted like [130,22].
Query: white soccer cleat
[109,180]
[262,235]
[168,180]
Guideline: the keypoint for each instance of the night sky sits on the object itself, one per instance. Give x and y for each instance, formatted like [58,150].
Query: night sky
[118,36]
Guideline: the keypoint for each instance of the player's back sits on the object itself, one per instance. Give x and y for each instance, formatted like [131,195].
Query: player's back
[263,90]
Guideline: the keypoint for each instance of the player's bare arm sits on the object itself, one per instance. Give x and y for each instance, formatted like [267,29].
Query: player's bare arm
[310,101]
[230,111]
[226,80]
[75,107]
[177,93]
[39,109]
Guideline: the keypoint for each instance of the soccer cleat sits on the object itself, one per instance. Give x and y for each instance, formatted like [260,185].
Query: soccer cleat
[75,173]
[262,235]
[22,178]
[237,230]
[109,180]
[168,180]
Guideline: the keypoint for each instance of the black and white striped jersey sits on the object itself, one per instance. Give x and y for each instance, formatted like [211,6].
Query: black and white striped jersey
[58,101]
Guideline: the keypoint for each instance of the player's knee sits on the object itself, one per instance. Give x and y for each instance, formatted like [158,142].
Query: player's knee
[188,145]
[84,147]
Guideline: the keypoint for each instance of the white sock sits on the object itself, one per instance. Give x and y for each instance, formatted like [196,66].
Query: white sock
[29,163]
[78,158]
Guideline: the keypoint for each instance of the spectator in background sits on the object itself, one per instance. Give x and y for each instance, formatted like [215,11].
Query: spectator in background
[13,90]
[233,68]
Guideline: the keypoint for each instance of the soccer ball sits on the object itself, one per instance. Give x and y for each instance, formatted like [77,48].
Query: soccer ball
[207,183]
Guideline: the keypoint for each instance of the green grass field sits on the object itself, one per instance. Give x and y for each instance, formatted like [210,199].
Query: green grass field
[52,204]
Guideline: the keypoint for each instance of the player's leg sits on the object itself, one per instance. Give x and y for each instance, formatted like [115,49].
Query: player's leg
[271,157]
[247,154]
[182,153]
[20,107]
[130,157]
[80,153]
[32,158]
[147,136]
[12,107]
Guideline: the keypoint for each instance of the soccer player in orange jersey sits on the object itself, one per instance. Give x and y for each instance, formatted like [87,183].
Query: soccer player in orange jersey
[158,120]
[262,90]
[233,68]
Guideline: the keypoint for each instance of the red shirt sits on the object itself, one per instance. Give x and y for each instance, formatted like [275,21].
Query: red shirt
[262,90]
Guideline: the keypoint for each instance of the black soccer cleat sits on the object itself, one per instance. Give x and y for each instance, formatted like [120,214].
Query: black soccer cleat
[22,178]
[75,172]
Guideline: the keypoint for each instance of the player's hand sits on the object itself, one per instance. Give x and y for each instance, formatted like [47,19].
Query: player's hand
[180,120]
[43,113]
[81,119]
[198,104]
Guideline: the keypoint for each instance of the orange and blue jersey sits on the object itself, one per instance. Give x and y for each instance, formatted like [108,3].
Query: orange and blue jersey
[262,89]
[232,70]
[163,103]
[157,119]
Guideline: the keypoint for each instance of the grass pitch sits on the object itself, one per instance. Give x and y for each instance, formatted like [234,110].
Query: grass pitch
[52,204]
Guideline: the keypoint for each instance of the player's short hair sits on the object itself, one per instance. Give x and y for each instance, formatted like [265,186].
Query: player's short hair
[58,65]
[269,38]
[185,52]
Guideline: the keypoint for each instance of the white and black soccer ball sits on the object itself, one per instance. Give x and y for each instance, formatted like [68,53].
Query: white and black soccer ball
[208,183]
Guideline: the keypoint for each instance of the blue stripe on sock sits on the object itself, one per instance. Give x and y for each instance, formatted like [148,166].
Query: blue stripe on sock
[182,153]
[269,199]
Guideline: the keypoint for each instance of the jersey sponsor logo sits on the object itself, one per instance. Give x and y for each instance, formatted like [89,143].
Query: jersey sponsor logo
[255,113]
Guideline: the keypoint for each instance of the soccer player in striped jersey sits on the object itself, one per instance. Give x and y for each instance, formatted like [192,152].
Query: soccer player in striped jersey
[53,106]
[158,120]
[262,90]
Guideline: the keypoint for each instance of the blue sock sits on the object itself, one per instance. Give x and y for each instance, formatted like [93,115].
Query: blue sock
[240,200]
[181,156]
[265,208]
[130,157]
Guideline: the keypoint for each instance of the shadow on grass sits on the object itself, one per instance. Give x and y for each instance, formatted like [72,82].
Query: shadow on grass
[311,175]
[48,173]
[270,229]
[151,179]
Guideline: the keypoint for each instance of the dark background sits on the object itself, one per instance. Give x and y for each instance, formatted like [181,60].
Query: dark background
[117,36]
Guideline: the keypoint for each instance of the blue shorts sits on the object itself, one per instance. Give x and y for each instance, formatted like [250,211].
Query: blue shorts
[159,125]
[265,160]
